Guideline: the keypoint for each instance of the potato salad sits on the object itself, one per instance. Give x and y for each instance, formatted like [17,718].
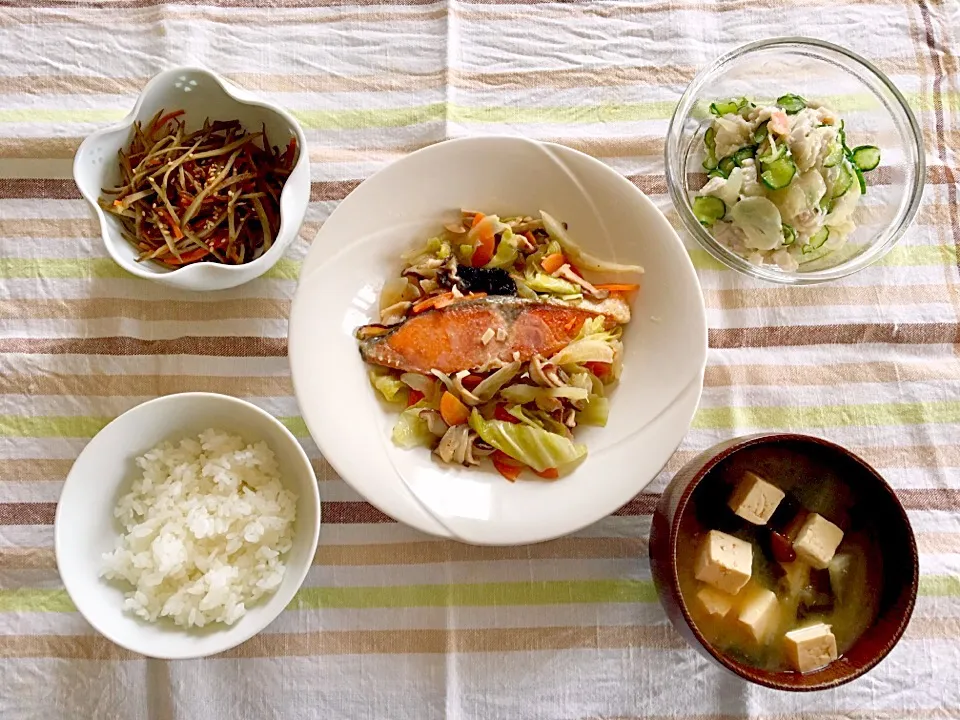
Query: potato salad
[782,183]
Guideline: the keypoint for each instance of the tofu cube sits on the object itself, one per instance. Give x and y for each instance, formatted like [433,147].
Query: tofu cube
[714,601]
[817,541]
[754,499]
[724,562]
[811,648]
[759,612]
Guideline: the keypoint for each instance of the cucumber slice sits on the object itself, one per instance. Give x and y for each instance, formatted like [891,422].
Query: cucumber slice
[727,164]
[791,104]
[744,153]
[717,172]
[817,241]
[834,156]
[708,209]
[779,173]
[760,134]
[866,157]
[860,179]
[745,107]
[789,235]
[776,153]
[844,181]
[710,161]
[710,138]
[724,107]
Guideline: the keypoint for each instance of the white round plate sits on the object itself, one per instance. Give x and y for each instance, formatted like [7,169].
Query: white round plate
[359,247]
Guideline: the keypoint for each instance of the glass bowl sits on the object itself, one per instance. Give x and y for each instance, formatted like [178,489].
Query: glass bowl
[874,111]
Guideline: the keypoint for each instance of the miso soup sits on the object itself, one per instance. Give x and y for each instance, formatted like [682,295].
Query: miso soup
[801,555]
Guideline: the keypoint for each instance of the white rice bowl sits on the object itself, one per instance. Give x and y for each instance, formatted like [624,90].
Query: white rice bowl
[205,529]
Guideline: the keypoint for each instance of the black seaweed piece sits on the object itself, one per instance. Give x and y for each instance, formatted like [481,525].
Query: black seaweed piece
[492,281]
[786,511]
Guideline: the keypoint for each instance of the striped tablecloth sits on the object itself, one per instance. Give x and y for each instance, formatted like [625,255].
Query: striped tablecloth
[390,623]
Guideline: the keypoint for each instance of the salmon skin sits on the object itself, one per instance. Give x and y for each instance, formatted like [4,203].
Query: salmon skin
[450,339]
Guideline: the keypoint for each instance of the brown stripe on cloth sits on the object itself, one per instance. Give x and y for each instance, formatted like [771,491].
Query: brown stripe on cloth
[337,513]
[849,334]
[43,228]
[225,346]
[47,188]
[327,82]
[936,50]
[841,373]
[819,296]
[146,310]
[57,148]
[236,346]
[120,385]
[446,551]
[34,469]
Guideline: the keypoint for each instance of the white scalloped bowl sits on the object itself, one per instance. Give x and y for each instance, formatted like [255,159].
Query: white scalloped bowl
[201,94]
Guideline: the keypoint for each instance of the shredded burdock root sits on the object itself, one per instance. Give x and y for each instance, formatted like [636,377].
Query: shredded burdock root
[210,195]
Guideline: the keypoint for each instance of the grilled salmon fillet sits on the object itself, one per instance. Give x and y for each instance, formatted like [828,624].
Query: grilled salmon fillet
[450,339]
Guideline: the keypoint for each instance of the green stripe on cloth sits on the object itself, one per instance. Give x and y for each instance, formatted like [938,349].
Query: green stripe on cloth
[559,592]
[718,418]
[900,256]
[361,119]
[82,426]
[730,418]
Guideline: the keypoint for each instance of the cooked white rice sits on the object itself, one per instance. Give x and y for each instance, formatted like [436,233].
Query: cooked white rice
[206,526]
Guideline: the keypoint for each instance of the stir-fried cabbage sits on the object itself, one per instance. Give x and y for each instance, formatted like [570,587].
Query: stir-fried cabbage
[596,411]
[532,446]
[506,251]
[541,282]
[581,258]
[524,394]
[388,386]
[411,430]
[593,344]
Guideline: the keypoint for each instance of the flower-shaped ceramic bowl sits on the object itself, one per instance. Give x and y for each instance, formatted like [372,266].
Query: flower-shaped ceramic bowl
[202,94]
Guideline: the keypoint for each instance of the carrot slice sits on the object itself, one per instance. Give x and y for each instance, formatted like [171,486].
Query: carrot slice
[617,287]
[483,252]
[452,410]
[600,369]
[471,381]
[500,413]
[476,219]
[430,302]
[165,119]
[177,232]
[506,465]
[548,474]
[552,263]
[413,397]
[188,257]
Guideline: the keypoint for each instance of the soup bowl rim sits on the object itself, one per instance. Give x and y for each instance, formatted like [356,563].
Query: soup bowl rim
[691,475]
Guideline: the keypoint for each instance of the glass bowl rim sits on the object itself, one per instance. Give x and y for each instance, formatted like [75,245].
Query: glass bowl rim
[679,193]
